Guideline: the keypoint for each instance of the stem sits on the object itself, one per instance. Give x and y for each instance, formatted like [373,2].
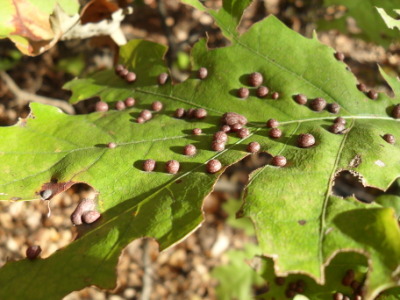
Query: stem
[147,279]
[22,95]
[168,32]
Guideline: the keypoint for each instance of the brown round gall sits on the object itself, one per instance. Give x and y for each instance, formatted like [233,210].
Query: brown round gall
[372,94]
[243,133]
[33,251]
[338,296]
[190,113]
[130,77]
[202,73]
[348,277]
[111,145]
[84,205]
[236,127]
[172,166]
[333,108]
[340,120]
[339,56]
[157,106]
[232,118]
[226,128]
[318,104]
[149,165]
[129,102]
[179,113]
[189,150]
[280,280]
[279,161]
[275,133]
[362,87]
[213,166]
[101,106]
[146,114]
[243,93]
[196,131]
[301,99]
[220,136]
[255,79]
[91,216]
[123,72]
[120,105]
[262,91]
[253,147]
[162,78]
[272,123]
[337,128]
[217,146]
[389,138]
[396,111]
[200,113]
[119,68]
[305,140]
[275,95]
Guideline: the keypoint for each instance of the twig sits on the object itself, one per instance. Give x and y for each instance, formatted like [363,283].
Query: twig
[22,95]
[168,32]
[147,279]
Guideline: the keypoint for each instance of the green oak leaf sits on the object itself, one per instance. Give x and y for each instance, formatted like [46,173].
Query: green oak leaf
[50,147]
[389,20]
[335,272]
[373,28]
[53,149]
[391,294]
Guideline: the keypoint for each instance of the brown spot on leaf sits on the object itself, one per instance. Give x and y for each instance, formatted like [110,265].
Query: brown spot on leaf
[355,162]
[302,222]
[55,187]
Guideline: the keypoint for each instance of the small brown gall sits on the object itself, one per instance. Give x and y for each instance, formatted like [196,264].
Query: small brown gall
[253,147]
[243,93]
[157,106]
[162,78]
[255,79]
[213,166]
[172,166]
[272,123]
[279,161]
[33,251]
[305,140]
[101,106]
[275,133]
[189,150]
[120,105]
[196,131]
[149,165]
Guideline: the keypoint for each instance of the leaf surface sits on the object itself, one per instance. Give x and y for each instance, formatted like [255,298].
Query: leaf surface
[297,219]
[335,272]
